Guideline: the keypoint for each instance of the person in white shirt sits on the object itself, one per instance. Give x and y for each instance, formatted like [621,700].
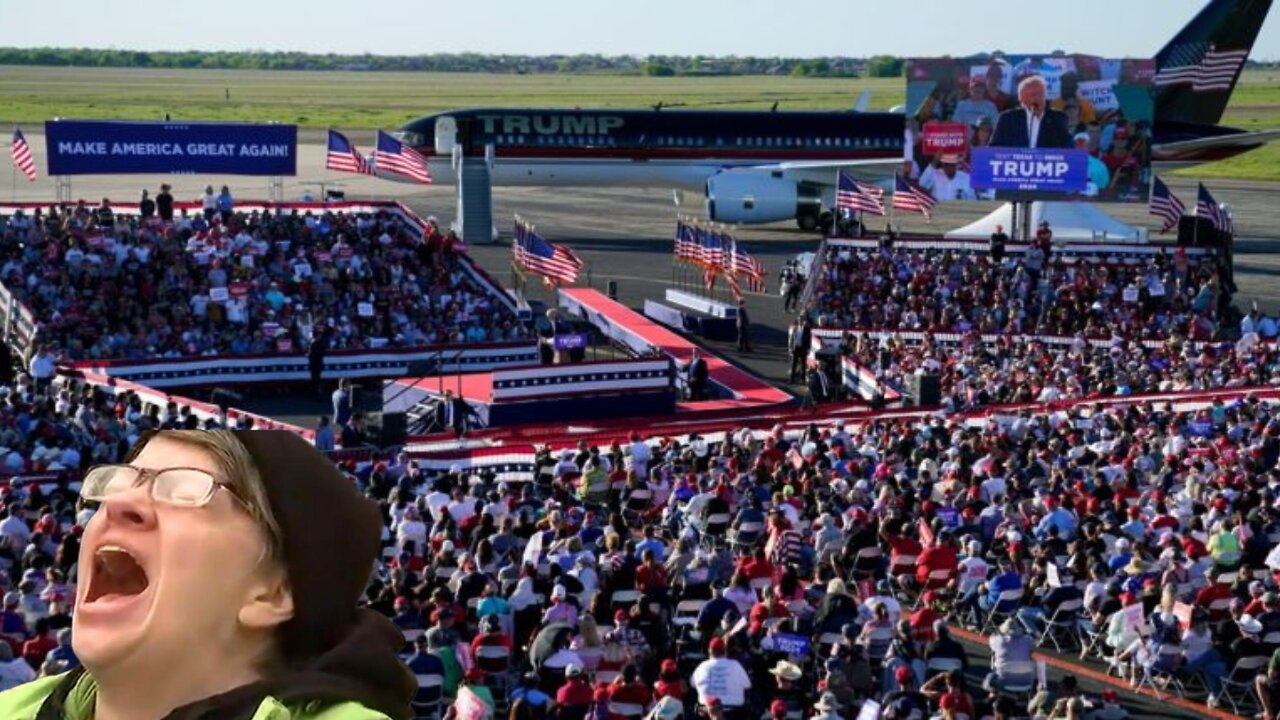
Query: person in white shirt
[973,570]
[13,672]
[412,530]
[462,508]
[43,367]
[437,503]
[15,529]
[946,181]
[721,677]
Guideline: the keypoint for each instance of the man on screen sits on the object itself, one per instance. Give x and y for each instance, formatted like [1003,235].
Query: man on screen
[1034,124]
[945,181]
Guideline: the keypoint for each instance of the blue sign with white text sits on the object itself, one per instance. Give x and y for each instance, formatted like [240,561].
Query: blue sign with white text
[99,147]
[1029,170]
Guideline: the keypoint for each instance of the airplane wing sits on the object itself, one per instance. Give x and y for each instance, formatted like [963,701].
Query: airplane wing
[1242,139]
[832,164]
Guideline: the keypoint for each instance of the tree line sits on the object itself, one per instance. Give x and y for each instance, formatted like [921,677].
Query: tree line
[658,66]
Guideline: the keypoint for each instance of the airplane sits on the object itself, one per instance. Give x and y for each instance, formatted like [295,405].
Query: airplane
[767,166]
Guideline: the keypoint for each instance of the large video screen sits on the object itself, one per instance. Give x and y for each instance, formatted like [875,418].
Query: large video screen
[1030,127]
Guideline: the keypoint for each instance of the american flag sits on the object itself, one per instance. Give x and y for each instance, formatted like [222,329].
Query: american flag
[22,155]
[685,247]
[742,263]
[711,249]
[1166,205]
[555,263]
[1202,65]
[734,287]
[1207,207]
[344,157]
[855,196]
[910,198]
[392,155]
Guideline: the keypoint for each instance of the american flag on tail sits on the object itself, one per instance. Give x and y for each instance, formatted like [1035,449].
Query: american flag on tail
[1201,64]
[858,197]
[394,156]
[555,263]
[1165,205]
[911,198]
[1207,207]
[21,152]
[344,157]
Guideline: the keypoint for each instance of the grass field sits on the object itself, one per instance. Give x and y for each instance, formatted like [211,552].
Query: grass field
[364,101]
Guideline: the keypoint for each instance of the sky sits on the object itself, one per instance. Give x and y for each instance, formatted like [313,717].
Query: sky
[792,28]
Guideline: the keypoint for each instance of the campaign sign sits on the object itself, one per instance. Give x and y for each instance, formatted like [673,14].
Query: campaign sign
[793,645]
[571,341]
[96,147]
[1029,170]
[940,138]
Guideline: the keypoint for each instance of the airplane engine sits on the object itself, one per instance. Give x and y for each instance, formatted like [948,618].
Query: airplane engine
[757,196]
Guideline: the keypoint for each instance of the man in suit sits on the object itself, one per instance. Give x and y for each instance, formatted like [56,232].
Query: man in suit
[697,376]
[744,328]
[454,412]
[1034,124]
[321,340]
[819,385]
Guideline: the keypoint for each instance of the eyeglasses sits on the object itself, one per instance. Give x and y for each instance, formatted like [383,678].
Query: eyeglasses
[179,486]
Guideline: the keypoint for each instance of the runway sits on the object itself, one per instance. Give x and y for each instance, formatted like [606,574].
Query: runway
[624,235]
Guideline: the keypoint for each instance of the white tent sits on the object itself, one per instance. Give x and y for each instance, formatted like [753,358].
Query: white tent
[1072,221]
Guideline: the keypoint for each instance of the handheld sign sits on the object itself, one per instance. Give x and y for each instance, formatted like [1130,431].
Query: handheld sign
[794,645]
[365,309]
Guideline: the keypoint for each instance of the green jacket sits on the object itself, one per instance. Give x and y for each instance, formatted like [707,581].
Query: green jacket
[24,701]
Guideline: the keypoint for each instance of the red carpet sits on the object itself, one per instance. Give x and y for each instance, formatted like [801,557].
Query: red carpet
[748,390]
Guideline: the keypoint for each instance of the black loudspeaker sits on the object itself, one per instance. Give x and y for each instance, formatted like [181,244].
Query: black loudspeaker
[924,390]
[366,396]
[1198,231]
[393,428]
[388,429]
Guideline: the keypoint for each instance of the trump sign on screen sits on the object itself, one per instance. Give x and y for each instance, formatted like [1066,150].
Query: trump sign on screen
[95,147]
[1029,171]
[1075,127]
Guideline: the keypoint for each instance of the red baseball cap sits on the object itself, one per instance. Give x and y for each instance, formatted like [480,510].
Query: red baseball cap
[669,665]
[778,708]
[717,645]
[902,674]
[620,614]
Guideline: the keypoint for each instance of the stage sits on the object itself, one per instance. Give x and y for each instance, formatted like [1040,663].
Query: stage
[517,396]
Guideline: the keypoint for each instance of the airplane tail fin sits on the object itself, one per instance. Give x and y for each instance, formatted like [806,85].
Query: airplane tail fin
[1198,69]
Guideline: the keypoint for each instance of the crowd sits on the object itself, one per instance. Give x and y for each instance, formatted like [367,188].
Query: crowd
[974,374]
[766,575]
[761,576]
[1030,294]
[107,286]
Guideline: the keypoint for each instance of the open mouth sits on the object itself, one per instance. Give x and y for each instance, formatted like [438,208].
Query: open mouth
[116,573]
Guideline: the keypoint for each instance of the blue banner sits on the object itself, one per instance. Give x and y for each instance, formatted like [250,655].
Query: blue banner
[96,147]
[1029,170]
